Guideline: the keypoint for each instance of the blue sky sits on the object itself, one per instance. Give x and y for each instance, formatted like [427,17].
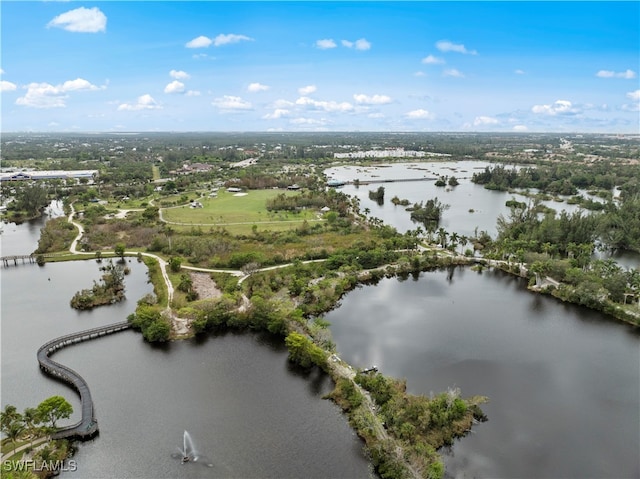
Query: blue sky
[326,66]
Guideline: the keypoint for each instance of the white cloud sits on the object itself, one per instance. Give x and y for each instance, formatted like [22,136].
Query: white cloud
[174,87]
[634,95]
[452,72]
[84,20]
[361,44]
[375,115]
[419,74]
[277,113]
[447,46]
[193,93]
[559,107]
[518,72]
[431,60]
[307,90]
[627,75]
[225,39]
[78,84]
[144,102]
[520,128]
[179,75]
[229,103]
[1,71]
[325,44]
[7,86]
[485,120]
[419,114]
[324,105]
[371,100]
[308,121]
[199,42]
[282,104]
[256,87]
[45,95]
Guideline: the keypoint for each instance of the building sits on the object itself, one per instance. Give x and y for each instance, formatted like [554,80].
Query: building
[49,175]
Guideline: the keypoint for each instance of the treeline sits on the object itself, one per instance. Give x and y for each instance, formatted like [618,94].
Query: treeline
[617,226]
[336,201]
[561,179]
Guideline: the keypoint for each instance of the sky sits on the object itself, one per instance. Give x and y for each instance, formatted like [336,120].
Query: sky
[81,66]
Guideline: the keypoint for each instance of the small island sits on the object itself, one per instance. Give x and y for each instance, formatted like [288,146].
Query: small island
[109,290]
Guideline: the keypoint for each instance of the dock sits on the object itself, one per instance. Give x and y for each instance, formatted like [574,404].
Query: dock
[87,428]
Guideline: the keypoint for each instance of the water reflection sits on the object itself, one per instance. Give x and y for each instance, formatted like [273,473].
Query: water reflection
[562,380]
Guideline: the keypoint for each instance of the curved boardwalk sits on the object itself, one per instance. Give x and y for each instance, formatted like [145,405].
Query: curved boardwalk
[88,425]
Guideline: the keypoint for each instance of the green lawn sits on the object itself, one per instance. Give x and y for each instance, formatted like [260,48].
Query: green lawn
[229,209]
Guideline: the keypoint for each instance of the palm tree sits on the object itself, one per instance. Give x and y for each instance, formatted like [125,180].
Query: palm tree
[14,431]
[442,236]
[454,237]
[464,240]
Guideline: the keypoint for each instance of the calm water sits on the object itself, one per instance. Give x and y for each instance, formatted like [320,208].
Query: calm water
[487,205]
[563,381]
[246,410]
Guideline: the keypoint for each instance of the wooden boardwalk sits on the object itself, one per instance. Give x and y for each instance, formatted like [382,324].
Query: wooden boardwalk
[6,260]
[87,428]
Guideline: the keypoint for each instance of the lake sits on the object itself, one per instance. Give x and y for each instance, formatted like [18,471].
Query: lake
[563,382]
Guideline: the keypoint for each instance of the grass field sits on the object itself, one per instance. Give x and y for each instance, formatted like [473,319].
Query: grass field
[240,212]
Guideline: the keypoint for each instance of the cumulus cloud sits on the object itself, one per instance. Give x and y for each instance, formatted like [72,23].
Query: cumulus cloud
[277,113]
[199,42]
[144,102]
[627,75]
[256,87]
[419,114]
[193,93]
[375,115]
[179,75]
[361,44]
[325,44]
[45,95]
[7,86]
[485,120]
[330,106]
[452,72]
[231,103]
[83,20]
[447,46]
[174,87]
[225,39]
[520,128]
[371,100]
[634,95]
[307,90]
[559,107]
[432,60]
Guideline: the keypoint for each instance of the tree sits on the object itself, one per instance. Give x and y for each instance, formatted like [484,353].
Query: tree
[31,420]
[119,250]
[303,352]
[175,263]
[53,409]
[31,198]
[185,284]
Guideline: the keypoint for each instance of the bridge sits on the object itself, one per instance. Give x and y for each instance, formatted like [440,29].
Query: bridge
[27,258]
[87,428]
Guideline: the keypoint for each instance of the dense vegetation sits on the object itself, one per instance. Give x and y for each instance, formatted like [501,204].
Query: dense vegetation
[28,427]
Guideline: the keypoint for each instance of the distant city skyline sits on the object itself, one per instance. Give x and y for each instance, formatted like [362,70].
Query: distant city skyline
[320,66]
